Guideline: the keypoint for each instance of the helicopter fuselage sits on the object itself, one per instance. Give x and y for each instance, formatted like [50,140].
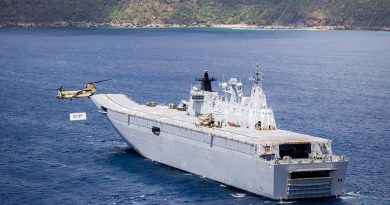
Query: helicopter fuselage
[89,89]
[68,94]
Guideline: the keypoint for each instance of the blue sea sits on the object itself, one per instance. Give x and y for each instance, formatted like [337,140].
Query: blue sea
[332,84]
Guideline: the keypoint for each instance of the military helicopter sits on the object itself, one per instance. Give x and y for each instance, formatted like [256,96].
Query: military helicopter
[89,89]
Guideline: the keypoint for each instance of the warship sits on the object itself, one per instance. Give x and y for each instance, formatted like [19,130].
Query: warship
[229,138]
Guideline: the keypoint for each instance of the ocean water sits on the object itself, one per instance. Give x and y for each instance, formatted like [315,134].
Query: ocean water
[333,84]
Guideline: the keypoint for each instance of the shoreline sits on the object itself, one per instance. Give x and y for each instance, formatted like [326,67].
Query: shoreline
[64,24]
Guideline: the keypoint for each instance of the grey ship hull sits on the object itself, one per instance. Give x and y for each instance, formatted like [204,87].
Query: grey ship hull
[240,168]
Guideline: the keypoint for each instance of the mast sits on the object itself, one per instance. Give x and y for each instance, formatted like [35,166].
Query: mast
[257,77]
[258,98]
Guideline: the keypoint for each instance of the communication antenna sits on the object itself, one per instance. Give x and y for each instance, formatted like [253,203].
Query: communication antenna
[257,77]
[162,92]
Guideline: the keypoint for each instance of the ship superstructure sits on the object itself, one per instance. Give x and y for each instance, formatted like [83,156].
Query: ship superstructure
[230,138]
[233,108]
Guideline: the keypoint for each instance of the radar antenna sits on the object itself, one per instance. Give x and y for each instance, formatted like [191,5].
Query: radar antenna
[257,77]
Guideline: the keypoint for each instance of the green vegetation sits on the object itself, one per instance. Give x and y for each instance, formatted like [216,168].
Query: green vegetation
[356,14]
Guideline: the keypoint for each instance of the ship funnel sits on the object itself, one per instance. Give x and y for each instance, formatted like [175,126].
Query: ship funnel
[205,84]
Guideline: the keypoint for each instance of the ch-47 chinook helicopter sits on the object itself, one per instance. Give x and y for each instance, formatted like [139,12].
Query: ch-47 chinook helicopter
[89,89]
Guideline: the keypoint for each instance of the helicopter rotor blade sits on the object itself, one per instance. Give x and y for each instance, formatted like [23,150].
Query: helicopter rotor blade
[99,81]
[60,88]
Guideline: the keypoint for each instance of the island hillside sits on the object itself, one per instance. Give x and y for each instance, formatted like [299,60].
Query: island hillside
[328,14]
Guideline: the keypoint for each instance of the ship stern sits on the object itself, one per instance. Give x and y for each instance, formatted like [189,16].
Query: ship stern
[302,179]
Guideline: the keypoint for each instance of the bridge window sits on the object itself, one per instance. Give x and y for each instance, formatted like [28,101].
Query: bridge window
[295,151]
